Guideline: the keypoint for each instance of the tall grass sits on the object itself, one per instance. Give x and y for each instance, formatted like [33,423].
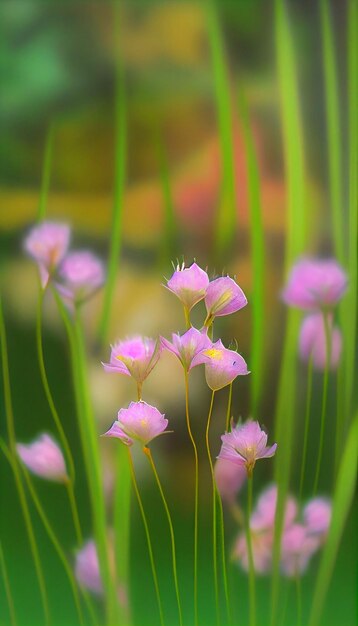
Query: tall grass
[293,149]
[226,223]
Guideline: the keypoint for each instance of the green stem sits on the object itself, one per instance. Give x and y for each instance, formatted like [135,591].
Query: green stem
[46,171]
[228,412]
[16,469]
[148,454]
[119,184]
[121,514]
[187,318]
[215,565]
[196,497]
[149,542]
[9,597]
[90,447]
[252,592]
[223,555]
[74,512]
[48,394]
[307,422]
[55,543]
[299,599]
[324,400]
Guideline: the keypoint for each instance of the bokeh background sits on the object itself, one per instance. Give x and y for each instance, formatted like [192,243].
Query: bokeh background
[166,109]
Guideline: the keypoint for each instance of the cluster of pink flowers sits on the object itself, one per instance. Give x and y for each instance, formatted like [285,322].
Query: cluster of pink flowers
[302,535]
[77,275]
[137,356]
[317,286]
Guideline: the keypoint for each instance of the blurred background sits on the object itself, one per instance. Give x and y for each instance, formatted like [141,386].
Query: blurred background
[174,111]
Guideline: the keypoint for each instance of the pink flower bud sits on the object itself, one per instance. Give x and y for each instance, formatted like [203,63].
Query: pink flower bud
[315,284]
[44,458]
[313,341]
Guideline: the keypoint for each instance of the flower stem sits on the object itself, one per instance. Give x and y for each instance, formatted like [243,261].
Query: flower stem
[148,454]
[299,599]
[139,391]
[307,421]
[149,542]
[187,317]
[74,511]
[16,469]
[252,593]
[9,597]
[215,565]
[324,400]
[55,543]
[196,497]
[228,413]
[223,555]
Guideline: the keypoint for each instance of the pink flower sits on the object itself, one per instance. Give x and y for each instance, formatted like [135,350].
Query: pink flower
[223,296]
[297,548]
[134,357]
[229,479]
[222,366]
[245,444]
[82,274]
[87,570]
[263,517]
[47,243]
[261,551]
[317,516]
[313,343]
[141,422]
[44,458]
[189,284]
[188,347]
[315,284]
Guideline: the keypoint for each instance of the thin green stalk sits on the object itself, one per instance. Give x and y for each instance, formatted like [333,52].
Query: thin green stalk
[307,424]
[228,412]
[90,447]
[122,505]
[17,475]
[252,591]
[187,318]
[56,544]
[296,235]
[227,216]
[9,597]
[257,255]
[74,512]
[120,140]
[46,172]
[196,497]
[149,542]
[299,599]
[223,555]
[324,401]
[333,118]
[170,228]
[148,454]
[48,394]
[215,564]
[342,500]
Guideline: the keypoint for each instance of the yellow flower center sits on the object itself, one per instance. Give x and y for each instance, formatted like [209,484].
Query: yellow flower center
[215,354]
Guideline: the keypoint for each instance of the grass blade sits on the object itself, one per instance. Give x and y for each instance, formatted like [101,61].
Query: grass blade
[257,254]
[46,173]
[227,216]
[122,505]
[9,597]
[295,245]
[119,183]
[333,131]
[342,500]
[17,475]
